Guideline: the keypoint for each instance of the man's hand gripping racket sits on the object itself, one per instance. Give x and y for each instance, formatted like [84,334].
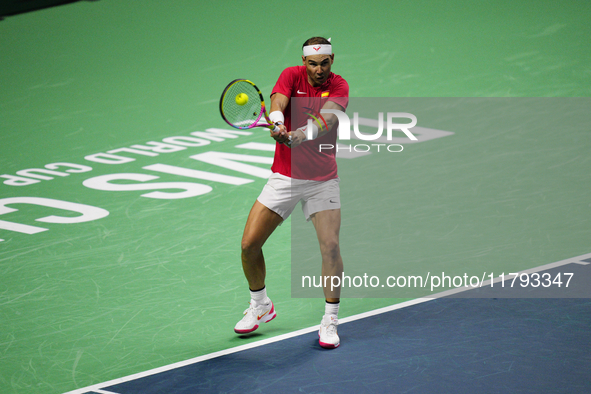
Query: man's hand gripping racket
[242,106]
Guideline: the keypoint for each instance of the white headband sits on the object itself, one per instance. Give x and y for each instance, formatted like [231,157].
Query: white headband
[318,49]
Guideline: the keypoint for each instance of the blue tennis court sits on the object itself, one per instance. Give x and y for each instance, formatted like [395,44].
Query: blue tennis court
[449,345]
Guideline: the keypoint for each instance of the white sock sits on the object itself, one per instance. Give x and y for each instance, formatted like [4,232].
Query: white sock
[331,309]
[259,297]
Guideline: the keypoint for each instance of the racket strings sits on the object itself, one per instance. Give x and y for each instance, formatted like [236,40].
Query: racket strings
[241,115]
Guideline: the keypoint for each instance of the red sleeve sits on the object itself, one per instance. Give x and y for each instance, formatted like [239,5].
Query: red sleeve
[339,93]
[285,83]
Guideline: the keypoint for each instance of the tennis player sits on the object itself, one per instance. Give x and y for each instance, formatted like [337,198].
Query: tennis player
[303,173]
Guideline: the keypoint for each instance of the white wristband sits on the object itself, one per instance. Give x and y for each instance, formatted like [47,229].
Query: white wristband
[310,131]
[277,116]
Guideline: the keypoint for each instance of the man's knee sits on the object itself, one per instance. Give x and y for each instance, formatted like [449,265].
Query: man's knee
[330,247]
[250,247]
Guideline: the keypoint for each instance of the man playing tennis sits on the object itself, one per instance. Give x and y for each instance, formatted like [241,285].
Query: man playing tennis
[300,173]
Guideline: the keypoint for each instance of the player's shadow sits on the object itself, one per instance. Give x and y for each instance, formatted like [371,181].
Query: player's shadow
[268,332]
[241,337]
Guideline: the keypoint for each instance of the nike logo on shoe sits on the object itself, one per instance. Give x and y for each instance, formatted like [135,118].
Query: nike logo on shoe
[251,319]
[261,316]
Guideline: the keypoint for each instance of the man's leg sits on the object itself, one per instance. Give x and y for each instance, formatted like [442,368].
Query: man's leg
[327,225]
[260,225]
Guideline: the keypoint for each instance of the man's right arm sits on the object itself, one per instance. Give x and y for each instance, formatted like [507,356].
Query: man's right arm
[279,103]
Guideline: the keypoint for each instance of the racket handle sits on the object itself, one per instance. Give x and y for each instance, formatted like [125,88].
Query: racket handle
[276,129]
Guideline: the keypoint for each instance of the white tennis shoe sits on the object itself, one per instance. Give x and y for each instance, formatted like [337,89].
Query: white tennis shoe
[263,313]
[329,339]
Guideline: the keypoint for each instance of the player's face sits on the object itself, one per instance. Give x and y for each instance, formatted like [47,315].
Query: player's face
[318,68]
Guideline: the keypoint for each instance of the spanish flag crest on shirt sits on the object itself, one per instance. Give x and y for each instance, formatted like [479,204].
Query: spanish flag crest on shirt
[325,94]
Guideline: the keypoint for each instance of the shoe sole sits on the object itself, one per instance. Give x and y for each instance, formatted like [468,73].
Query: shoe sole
[327,345]
[267,320]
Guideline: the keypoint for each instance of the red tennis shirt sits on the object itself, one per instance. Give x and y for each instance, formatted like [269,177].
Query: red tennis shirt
[307,161]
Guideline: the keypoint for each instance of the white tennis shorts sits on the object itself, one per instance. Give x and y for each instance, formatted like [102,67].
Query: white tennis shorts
[281,194]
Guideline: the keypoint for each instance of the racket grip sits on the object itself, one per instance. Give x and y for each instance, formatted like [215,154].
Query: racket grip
[276,129]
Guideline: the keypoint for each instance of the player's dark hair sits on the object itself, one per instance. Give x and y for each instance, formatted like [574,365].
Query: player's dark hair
[316,40]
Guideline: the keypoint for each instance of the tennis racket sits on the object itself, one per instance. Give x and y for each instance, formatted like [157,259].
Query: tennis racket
[242,106]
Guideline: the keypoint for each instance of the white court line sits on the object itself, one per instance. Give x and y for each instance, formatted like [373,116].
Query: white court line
[97,387]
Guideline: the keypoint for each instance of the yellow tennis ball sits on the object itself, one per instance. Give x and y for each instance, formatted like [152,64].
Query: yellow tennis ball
[242,99]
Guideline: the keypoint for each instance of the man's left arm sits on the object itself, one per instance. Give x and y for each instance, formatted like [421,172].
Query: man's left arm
[300,135]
